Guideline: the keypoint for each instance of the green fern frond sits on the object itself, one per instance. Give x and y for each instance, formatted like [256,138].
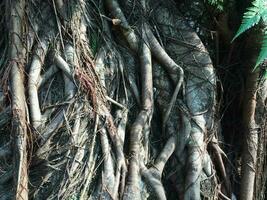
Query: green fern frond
[252,17]
[264,14]
[263,51]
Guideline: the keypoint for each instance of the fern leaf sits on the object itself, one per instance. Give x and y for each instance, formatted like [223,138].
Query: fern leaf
[251,17]
[264,15]
[263,51]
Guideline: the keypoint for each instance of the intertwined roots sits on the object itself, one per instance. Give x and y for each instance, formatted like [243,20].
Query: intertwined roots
[104,97]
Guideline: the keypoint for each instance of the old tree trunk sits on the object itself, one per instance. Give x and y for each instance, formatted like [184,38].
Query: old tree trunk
[113,99]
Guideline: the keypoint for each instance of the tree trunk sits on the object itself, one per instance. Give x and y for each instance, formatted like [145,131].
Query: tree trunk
[250,123]
[121,103]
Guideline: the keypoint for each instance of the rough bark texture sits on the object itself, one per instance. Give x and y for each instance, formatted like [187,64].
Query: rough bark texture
[17,58]
[250,122]
[121,103]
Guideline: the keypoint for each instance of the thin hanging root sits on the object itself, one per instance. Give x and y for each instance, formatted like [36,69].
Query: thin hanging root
[34,75]
[5,151]
[121,168]
[218,156]
[161,55]
[122,115]
[108,168]
[117,136]
[32,32]
[134,89]
[223,196]
[90,165]
[6,176]
[49,131]
[172,68]
[100,64]
[5,116]
[169,109]
[74,169]
[63,65]
[78,126]
[61,8]
[54,124]
[84,79]
[117,103]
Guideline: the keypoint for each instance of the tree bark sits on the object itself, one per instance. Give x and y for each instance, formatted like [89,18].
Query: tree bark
[17,58]
[251,126]
[121,104]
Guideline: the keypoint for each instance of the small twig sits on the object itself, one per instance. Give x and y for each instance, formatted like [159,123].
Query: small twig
[58,24]
[116,103]
[63,65]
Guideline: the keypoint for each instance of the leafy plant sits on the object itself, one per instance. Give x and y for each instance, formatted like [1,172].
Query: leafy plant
[219,4]
[253,15]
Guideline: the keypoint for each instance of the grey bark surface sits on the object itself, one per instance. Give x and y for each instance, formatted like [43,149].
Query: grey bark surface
[120,103]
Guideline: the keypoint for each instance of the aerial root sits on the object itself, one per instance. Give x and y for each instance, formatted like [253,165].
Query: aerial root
[149,44]
[153,175]
[144,117]
[34,76]
[219,154]
[69,122]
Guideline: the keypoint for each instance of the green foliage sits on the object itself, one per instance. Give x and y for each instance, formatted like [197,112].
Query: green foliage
[219,4]
[253,15]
